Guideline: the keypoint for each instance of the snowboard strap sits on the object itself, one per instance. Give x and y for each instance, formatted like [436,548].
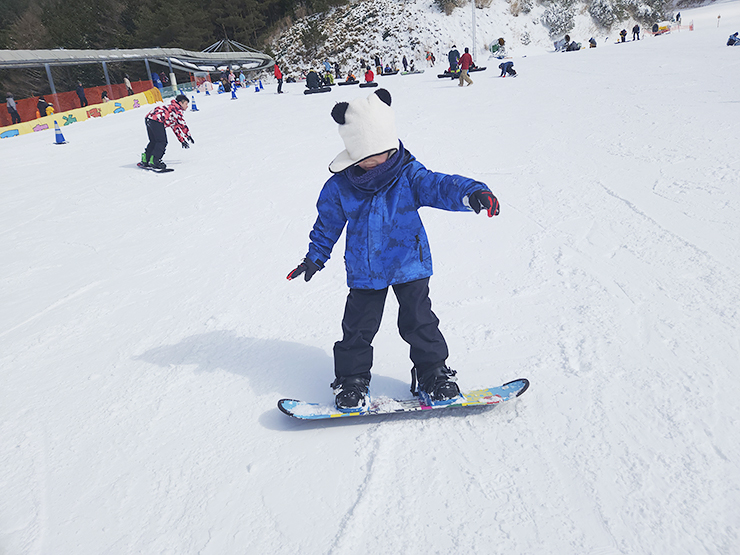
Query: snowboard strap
[414,390]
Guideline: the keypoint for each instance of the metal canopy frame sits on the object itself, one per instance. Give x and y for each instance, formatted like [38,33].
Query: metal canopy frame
[185,60]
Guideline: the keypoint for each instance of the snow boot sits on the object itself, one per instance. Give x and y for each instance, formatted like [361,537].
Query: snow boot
[436,386]
[351,393]
[144,162]
[157,164]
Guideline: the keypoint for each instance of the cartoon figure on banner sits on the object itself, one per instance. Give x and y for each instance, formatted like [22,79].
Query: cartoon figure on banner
[94,113]
[69,119]
[119,108]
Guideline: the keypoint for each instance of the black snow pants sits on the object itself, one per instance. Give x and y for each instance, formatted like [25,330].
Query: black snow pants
[417,324]
[157,140]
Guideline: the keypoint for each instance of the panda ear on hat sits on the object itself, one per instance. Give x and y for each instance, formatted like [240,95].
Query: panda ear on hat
[338,112]
[384,95]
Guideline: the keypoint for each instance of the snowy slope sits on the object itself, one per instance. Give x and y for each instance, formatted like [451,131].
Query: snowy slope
[147,327]
[397,28]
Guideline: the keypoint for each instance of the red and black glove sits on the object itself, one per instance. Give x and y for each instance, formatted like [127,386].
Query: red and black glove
[307,267]
[484,199]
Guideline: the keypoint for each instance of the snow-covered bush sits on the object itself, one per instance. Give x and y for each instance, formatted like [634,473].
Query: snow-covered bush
[558,18]
[602,13]
[517,7]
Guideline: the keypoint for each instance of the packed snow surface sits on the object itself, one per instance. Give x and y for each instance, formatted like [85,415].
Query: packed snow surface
[148,330]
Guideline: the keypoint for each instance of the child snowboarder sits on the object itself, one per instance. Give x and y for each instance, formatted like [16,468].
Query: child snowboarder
[507,68]
[376,191]
[156,122]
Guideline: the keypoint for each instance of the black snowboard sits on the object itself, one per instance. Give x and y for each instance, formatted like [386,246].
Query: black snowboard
[366,85]
[314,91]
[155,170]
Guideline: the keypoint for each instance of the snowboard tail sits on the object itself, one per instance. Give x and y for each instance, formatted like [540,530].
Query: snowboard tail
[384,405]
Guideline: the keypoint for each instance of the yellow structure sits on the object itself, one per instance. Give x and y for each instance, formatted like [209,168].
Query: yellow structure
[81,114]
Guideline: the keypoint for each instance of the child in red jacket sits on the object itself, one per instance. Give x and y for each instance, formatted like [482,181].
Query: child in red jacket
[156,121]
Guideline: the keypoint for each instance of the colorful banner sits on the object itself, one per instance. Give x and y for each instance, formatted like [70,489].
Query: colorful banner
[81,114]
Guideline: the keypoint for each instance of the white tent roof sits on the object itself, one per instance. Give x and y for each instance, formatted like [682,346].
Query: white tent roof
[183,59]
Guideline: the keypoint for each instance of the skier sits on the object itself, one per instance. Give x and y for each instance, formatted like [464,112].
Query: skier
[453,58]
[156,122]
[465,62]
[279,77]
[376,191]
[507,67]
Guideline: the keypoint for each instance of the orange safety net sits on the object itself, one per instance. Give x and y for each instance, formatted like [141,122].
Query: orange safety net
[69,100]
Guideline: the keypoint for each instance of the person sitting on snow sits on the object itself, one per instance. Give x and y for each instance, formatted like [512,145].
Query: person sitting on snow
[369,75]
[734,40]
[312,80]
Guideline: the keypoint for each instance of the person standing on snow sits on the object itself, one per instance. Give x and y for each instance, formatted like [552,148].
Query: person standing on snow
[80,90]
[453,57]
[376,192]
[465,62]
[156,122]
[636,32]
[279,77]
[12,110]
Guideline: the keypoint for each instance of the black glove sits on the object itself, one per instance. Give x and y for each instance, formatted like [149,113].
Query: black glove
[191,139]
[484,199]
[308,266]
[185,144]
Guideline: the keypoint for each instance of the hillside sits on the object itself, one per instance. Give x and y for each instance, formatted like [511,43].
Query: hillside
[394,28]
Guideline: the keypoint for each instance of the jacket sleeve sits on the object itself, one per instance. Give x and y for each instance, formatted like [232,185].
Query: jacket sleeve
[441,190]
[329,224]
[178,126]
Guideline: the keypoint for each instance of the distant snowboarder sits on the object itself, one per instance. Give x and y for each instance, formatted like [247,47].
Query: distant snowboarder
[453,57]
[507,68]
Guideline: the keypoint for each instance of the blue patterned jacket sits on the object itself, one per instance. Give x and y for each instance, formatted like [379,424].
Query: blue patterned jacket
[386,241]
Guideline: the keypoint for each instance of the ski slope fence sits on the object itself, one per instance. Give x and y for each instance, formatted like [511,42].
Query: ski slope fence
[69,117]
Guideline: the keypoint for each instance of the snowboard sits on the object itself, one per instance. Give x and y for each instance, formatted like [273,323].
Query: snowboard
[456,74]
[166,170]
[314,91]
[370,84]
[385,405]
[341,83]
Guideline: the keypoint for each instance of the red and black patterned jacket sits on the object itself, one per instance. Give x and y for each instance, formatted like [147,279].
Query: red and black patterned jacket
[171,116]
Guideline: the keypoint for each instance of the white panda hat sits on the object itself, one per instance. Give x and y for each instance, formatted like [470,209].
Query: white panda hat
[367,127]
